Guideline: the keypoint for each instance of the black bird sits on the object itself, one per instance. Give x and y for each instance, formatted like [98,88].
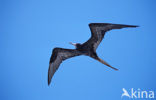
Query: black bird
[88,48]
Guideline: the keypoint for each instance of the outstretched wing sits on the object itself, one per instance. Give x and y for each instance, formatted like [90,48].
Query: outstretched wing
[98,31]
[59,55]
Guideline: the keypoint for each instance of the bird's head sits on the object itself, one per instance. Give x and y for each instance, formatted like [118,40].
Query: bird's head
[77,45]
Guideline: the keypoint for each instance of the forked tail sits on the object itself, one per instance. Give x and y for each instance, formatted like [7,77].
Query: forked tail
[102,61]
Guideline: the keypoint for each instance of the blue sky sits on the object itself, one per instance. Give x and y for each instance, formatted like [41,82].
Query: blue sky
[30,29]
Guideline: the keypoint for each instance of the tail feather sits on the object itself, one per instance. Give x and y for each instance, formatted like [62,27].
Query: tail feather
[105,63]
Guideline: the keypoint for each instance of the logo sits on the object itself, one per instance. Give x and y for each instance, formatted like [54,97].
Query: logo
[138,93]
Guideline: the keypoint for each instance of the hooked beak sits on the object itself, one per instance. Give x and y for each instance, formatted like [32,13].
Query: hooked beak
[72,43]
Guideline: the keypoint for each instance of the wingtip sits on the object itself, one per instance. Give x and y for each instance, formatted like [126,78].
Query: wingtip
[48,82]
[137,26]
[134,26]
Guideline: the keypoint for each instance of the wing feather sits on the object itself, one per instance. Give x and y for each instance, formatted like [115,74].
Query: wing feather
[59,55]
[98,31]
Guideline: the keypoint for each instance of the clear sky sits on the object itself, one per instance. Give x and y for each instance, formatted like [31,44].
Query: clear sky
[30,29]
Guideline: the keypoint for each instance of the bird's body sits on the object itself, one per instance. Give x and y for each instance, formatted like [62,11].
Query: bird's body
[88,48]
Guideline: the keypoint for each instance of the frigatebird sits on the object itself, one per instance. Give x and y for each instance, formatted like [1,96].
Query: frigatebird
[88,48]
